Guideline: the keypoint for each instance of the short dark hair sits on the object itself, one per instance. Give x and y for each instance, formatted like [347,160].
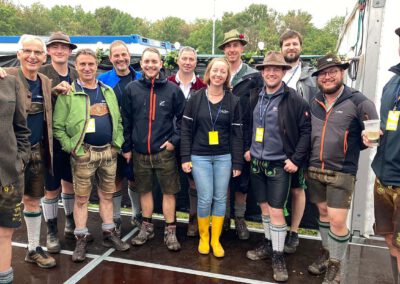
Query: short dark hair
[290,34]
[85,51]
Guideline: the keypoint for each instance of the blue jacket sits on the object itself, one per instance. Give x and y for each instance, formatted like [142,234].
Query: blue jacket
[111,78]
[386,163]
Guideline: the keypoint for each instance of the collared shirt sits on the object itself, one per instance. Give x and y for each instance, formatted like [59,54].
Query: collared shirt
[292,76]
[185,89]
[327,106]
[237,71]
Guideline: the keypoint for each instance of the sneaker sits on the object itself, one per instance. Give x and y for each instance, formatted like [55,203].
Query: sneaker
[118,226]
[79,253]
[40,257]
[261,252]
[291,242]
[241,228]
[170,238]
[111,239]
[332,275]
[279,267]
[193,226]
[319,266]
[52,241]
[146,233]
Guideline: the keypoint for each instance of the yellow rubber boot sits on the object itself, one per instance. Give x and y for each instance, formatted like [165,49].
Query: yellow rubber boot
[204,232]
[216,229]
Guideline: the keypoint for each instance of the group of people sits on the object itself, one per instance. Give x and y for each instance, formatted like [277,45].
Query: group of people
[282,127]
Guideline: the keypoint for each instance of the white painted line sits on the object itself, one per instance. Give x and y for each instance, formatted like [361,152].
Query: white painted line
[368,246]
[95,262]
[187,271]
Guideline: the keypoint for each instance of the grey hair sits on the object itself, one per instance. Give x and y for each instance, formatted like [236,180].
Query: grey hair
[26,37]
[187,48]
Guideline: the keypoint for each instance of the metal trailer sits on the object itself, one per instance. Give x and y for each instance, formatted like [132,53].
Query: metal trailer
[368,39]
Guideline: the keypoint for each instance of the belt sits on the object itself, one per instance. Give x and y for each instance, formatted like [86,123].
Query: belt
[96,148]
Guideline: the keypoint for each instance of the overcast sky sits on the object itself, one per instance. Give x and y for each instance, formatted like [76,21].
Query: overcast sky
[189,10]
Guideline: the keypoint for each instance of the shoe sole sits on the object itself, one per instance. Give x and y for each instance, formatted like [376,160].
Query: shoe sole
[256,258]
[289,250]
[107,245]
[40,265]
[314,272]
[52,250]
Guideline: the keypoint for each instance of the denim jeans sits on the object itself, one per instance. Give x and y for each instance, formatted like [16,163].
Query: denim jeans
[211,175]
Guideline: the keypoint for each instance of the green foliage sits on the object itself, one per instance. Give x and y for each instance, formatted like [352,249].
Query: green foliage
[257,21]
[170,60]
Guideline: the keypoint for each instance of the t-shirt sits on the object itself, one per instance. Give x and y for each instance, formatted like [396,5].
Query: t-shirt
[99,111]
[65,78]
[201,143]
[119,89]
[35,118]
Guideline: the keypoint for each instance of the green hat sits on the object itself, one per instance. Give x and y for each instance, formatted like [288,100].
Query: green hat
[233,35]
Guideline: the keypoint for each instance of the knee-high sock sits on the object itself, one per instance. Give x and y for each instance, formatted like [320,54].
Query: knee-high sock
[324,230]
[338,246]
[278,235]
[240,209]
[117,198]
[68,202]
[266,221]
[33,221]
[50,208]
[135,201]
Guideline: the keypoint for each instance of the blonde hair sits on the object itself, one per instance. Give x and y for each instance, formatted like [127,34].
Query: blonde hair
[208,70]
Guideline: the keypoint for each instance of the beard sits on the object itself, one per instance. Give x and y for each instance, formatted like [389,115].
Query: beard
[331,90]
[291,59]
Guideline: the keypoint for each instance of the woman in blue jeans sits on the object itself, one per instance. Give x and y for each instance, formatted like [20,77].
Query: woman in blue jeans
[212,149]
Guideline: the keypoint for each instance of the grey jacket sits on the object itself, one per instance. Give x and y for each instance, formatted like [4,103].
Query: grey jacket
[14,138]
[307,86]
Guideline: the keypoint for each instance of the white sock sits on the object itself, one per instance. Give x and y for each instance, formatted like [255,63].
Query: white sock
[117,199]
[68,201]
[33,221]
[266,221]
[278,235]
[135,201]
[50,208]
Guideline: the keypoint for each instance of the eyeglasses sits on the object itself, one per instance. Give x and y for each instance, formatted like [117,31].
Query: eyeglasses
[29,52]
[331,73]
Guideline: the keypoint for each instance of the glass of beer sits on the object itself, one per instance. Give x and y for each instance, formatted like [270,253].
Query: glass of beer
[372,128]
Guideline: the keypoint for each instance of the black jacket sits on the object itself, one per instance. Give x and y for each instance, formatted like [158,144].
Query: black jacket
[294,124]
[148,112]
[386,163]
[189,123]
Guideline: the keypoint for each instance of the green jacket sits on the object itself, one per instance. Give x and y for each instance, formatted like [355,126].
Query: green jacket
[71,117]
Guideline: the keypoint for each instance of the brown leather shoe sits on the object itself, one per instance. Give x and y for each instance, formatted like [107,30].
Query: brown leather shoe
[40,257]
[79,253]
[193,226]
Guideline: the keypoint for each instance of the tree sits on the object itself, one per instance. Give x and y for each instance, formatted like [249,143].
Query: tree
[34,20]
[170,29]
[201,36]
[8,18]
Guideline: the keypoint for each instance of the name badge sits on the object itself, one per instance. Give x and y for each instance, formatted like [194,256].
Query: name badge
[259,134]
[393,120]
[91,128]
[213,138]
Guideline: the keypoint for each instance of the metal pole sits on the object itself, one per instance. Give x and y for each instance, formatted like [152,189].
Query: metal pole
[213,32]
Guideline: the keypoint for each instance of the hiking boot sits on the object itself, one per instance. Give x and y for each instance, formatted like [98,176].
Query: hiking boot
[227,224]
[79,253]
[52,241]
[193,226]
[146,233]
[170,239]
[40,257]
[261,252]
[69,227]
[332,275]
[118,226]
[111,239]
[279,267]
[241,228]
[319,266]
[291,242]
